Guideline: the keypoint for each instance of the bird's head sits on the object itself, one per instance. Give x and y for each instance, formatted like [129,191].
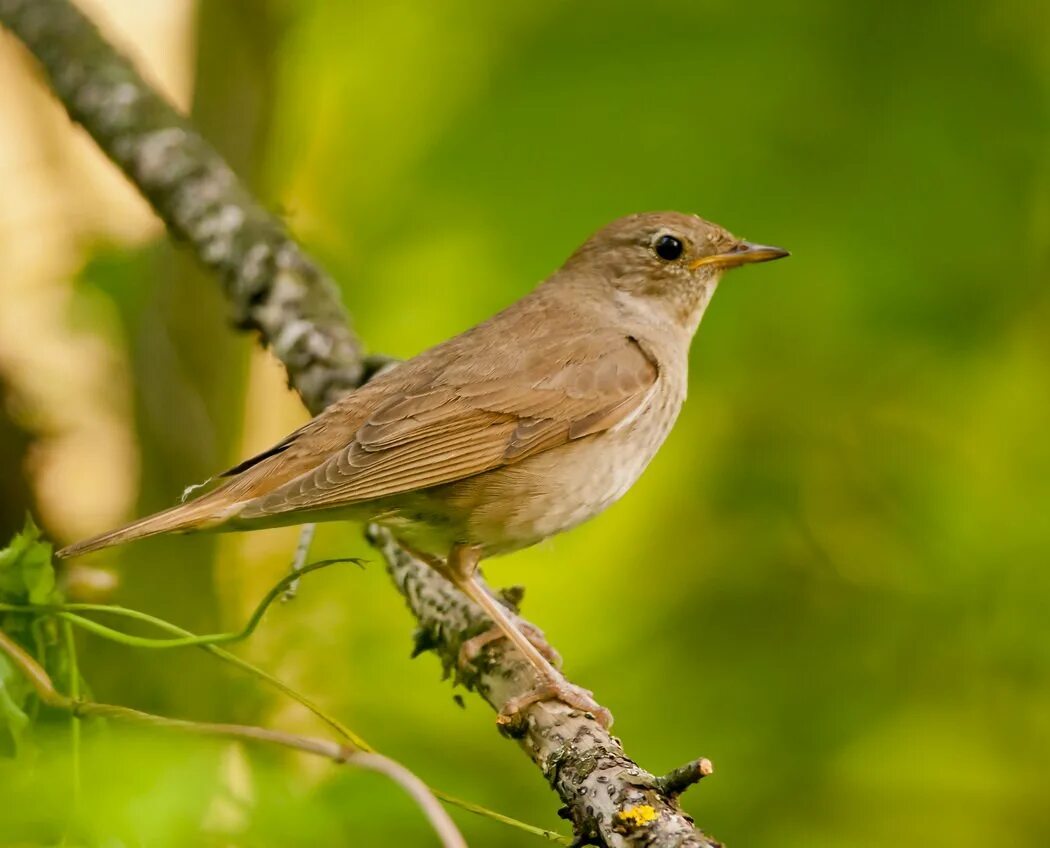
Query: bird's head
[668,260]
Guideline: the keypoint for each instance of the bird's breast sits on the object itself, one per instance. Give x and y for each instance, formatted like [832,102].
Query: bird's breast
[518,505]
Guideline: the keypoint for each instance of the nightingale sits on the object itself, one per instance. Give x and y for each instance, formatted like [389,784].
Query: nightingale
[519,428]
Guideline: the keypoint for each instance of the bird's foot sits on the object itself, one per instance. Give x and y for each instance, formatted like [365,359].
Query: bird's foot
[556,689]
[469,650]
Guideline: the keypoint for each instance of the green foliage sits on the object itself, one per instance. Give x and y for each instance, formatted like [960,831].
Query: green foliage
[15,693]
[26,572]
[27,576]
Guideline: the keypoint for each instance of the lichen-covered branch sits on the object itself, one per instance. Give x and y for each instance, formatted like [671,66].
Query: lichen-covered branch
[276,289]
[609,798]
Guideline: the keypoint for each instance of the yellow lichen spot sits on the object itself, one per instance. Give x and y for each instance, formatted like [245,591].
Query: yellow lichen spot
[638,815]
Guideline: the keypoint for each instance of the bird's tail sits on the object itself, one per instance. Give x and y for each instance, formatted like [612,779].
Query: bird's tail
[200,514]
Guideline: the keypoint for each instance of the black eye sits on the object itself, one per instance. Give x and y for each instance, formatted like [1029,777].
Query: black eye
[668,247]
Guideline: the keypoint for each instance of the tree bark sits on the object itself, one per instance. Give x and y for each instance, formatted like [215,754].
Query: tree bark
[274,288]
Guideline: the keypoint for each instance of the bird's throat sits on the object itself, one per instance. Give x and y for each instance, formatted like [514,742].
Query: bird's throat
[690,301]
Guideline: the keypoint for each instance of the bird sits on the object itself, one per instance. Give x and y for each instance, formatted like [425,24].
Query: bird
[518,429]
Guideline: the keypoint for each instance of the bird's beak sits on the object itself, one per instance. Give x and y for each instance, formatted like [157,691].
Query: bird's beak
[741,253]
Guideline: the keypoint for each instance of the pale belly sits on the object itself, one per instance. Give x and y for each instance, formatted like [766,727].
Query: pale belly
[519,505]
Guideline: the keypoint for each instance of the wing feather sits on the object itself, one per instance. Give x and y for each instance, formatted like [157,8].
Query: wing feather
[428,435]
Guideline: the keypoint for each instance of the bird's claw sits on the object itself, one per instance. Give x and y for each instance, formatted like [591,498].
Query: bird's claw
[556,690]
[471,648]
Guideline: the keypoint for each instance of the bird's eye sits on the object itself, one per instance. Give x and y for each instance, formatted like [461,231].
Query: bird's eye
[668,248]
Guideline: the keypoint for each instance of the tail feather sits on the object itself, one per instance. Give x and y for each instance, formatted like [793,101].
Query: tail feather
[196,515]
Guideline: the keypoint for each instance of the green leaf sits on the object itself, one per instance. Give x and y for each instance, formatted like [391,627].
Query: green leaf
[26,570]
[14,696]
[27,576]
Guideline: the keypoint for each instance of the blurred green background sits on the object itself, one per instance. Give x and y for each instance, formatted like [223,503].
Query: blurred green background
[833,580]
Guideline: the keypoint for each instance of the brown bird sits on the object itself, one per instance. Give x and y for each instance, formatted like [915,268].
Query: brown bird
[519,428]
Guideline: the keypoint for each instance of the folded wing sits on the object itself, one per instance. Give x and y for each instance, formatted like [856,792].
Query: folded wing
[428,435]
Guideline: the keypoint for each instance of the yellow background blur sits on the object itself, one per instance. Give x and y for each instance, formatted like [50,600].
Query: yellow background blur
[833,581]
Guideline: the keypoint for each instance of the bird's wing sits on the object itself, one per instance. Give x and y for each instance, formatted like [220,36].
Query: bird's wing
[435,434]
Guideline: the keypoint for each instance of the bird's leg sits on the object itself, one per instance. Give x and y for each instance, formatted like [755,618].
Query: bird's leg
[470,649]
[302,551]
[461,568]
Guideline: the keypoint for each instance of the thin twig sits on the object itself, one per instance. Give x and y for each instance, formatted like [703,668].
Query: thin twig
[675,782]
[31,670]
[416,788]
[334,751]
[69,641]
[190,640]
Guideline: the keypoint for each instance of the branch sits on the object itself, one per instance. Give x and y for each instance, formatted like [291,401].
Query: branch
[276,289]
[417,790]
[609,799]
